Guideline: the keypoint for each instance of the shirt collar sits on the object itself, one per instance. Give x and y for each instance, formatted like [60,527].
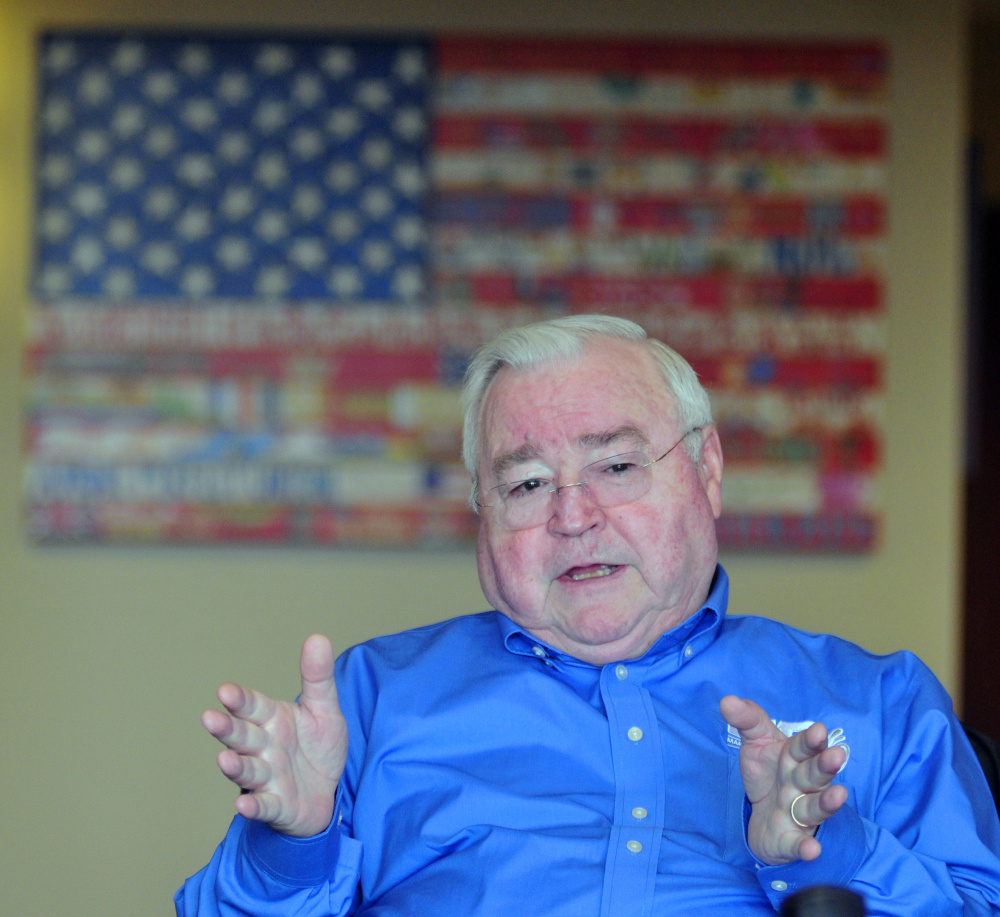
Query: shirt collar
[688,637]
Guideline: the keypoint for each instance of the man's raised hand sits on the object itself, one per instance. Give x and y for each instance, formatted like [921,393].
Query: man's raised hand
[776,771]
[288,756]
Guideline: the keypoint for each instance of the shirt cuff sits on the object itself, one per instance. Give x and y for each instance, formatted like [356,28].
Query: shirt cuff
[845,847]
[300,862]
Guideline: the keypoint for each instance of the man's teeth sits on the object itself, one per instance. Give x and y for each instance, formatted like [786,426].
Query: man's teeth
[603,570]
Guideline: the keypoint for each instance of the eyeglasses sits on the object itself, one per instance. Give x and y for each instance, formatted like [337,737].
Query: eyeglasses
[613,481]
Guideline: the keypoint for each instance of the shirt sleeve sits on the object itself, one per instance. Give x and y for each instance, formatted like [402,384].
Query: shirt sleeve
[924,839]
[259,871]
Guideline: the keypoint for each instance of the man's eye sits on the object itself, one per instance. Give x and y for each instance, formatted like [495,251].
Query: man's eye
[521,489]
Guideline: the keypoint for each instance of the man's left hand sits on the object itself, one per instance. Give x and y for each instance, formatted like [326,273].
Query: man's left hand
[776,770]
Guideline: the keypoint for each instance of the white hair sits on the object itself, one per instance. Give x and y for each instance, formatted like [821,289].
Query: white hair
[539,344]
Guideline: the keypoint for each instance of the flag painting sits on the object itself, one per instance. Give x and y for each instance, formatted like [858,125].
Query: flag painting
[262,263]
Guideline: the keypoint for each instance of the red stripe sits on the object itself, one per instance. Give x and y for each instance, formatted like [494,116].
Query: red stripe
[860,63]
[808,373]
[849,138]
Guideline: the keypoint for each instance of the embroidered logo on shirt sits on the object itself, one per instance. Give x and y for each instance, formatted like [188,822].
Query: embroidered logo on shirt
[836,737]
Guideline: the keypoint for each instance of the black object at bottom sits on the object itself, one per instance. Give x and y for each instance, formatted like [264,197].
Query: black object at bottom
[823,901]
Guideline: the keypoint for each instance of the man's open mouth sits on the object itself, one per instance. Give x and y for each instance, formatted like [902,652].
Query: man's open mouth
[591,572]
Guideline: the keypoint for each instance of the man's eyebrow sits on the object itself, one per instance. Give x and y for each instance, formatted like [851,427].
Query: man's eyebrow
[627,433]
[503,463]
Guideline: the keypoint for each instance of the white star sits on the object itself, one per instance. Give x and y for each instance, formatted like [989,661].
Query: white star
[119,283]
[410,65]
[343,225]
[271,115]
[88,199]
[160,86]
[233,253]
[57,114]
[342,176]
[408,282]
[307,202]
[272,280]
[410,124]
[128,57]
[233,88]
[195,60]
[376,153]
[343,122]
[128,121]
[308,253]
[160,258]
[161,202]
[337,62]
[409,179]
[376,255]
[54,224]
[234,146]
[271,170]
[60,56]
[306,143]
[238,201]
[95,86]
[92,145]
[196,169]
[122,232]
[345,282]
[161,141]
[409,231]
[199,114]
[376,202]
[307,89]
[271,225]
[54,279]
[274,59]
[87,255]
[197,281]
[126,173]
[373,94]
[56,170]
[194,223]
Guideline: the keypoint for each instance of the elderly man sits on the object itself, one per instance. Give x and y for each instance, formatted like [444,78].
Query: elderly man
[584,748]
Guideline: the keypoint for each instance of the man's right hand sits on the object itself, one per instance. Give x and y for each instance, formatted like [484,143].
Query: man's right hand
[289,756]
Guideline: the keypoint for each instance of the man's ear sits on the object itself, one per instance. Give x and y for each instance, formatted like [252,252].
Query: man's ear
[710,467]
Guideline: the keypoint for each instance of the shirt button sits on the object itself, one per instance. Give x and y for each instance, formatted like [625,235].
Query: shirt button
[639,812]
[634,846]
[622,672]
[779,886]
[635,733]
[688,650]
[538,651]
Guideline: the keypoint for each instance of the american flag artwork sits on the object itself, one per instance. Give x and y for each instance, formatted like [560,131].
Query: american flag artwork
[262,262]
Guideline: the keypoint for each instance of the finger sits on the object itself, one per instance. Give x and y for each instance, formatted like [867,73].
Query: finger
[808,743]
[243,737]
[749,718]
[246,703]
[246,772]
[316,665]
[817,772]
[813,809]
[259,806]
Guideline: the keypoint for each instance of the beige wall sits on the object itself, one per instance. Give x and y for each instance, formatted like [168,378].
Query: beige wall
[108,793]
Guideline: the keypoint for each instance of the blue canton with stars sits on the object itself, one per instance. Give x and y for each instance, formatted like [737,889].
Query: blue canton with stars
[193,167]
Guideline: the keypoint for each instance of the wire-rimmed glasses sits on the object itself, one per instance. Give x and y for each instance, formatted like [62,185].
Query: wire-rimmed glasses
[612,481]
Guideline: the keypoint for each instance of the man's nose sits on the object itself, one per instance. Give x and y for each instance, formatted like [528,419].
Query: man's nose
[575,510]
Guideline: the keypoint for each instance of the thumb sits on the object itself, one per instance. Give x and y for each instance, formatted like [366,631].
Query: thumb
[316,666]
[749,718]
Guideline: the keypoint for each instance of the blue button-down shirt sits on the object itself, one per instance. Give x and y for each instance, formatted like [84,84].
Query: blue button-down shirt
[490,774]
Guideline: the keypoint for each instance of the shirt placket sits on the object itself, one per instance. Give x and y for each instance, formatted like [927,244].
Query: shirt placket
[633,852]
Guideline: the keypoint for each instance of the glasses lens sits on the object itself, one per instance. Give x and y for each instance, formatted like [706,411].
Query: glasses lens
[612,481]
